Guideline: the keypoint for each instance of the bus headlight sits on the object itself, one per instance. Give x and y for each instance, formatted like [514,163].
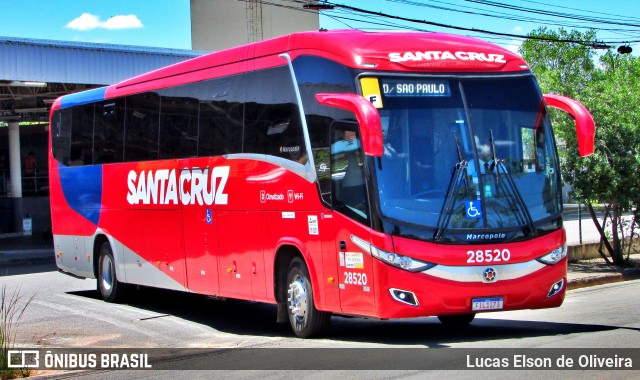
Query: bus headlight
[394,259]
[554,256]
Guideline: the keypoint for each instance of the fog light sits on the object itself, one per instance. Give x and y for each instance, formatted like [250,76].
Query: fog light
[556,288]
[404,296]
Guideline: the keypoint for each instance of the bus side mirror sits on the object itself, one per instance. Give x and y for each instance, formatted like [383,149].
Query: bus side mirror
[585,127]
[367,116]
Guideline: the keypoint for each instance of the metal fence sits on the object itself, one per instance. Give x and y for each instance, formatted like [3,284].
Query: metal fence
[35,184]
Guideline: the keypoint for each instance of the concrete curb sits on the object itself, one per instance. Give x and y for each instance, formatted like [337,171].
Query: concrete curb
[608,278]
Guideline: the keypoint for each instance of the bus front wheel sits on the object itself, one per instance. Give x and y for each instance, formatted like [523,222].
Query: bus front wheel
[109,287]
[305,319]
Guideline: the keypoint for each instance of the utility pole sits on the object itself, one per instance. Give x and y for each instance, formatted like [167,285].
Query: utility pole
[253,9]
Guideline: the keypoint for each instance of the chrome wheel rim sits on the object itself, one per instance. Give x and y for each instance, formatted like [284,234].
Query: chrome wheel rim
[107,274]
[298,298]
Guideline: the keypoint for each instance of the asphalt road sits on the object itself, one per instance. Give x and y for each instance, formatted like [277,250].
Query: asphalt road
[66,312]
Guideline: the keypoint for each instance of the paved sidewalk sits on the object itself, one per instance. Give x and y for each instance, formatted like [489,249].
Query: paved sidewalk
[596,272]
[34,249]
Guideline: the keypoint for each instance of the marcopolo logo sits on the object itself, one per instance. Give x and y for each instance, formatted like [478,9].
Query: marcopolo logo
[498,235]
[489,275]
[289,149]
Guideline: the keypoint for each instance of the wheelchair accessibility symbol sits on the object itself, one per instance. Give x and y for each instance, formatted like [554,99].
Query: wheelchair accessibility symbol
[474,209]
[209,217]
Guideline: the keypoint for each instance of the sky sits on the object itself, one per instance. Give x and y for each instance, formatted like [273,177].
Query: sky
[157,23]
[166,23]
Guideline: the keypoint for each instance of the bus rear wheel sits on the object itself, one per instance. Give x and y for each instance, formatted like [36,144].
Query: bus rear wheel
[305,319]
[456,320]
[109,287]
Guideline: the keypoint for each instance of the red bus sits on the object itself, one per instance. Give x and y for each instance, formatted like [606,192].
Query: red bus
[385,175]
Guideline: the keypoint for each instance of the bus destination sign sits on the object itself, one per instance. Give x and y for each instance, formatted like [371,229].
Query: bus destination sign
[415,87]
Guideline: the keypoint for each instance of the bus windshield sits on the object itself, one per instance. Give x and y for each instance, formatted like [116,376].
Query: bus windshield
[466,156]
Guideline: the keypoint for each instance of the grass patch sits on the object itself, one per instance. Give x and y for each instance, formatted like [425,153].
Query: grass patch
[12,308]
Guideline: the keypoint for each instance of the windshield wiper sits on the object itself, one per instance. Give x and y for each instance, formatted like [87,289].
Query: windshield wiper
[494,158]
[512,191]
[457,176]
[460,170]
[461,160]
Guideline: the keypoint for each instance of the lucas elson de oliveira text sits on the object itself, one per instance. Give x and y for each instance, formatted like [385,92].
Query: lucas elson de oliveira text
[524,361]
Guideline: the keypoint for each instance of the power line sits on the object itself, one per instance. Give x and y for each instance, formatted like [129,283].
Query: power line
[342,12]
[594,44]
[552,13]
[449,7]
[368,19]
[580,10]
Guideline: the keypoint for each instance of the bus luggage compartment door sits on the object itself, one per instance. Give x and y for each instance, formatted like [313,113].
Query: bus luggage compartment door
[201,249]
[241,254]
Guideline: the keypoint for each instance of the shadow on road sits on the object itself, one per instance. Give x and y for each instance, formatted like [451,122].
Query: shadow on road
[258,319]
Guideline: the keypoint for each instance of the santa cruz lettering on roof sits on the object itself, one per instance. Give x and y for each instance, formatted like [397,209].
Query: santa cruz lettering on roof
[446,55]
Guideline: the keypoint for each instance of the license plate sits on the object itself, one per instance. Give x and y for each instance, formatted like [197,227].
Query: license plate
[493,303]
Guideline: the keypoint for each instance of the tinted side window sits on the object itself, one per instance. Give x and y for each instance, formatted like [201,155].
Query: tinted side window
[316,75]
[272,119]
[61,135]
[178,126]
[221,114]
[141,127]
[108,138]
[82,135]
[347,172]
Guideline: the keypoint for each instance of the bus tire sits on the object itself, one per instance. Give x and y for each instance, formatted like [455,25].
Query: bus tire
[456,320]
[305,319]
[109,287]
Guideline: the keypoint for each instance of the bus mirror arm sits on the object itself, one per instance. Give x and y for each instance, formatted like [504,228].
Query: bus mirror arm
[367,116]
[585,126]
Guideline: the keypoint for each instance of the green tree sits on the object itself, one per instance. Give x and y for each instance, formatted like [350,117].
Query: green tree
[609,87]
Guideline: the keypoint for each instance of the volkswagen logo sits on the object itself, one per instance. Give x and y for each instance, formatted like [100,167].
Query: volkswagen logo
[489,275]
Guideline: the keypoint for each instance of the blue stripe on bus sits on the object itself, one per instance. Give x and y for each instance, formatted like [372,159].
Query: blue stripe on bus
[82,188]
[83,97]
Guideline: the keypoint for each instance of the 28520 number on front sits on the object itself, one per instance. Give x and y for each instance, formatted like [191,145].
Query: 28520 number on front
[488,256]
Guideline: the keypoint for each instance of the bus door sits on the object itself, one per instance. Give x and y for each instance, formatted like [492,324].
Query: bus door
[200,236]
[351,217]
[330,278]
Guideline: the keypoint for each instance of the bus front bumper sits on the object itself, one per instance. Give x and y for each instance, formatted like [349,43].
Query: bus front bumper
[464,290]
